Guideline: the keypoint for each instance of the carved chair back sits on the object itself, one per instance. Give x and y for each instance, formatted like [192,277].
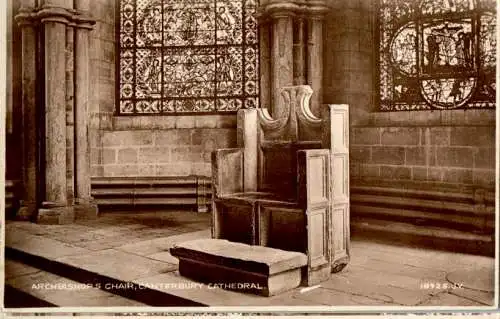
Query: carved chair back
[286,186]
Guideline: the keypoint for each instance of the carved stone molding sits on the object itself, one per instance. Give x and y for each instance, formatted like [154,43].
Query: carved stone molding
[44,14]
[295,108]
[24,16]
[273,8]
[304,113]
[292,53]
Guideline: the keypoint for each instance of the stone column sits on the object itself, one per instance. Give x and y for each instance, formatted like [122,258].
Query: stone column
[299,70]
[315,62]
[9,72]
[85,205]
[281,58]
[265,64]
[29,122]
[55,206]
[70,118]
[295,57]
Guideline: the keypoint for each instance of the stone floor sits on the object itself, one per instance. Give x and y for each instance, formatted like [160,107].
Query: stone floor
[134,248]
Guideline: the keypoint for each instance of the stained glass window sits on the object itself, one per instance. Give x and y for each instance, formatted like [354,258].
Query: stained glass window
[437,54]
[187,56]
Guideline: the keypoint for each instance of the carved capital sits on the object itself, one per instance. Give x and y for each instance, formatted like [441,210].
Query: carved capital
[317,9]
[294,105]
[46,13]
[53,14]
[25,16]
[268,123]
[272,9]
[303,110]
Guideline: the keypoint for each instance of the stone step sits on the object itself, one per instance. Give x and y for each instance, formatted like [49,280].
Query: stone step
[115,284]
[47,289]
[415,186]
[236,266]
[426,214]
[148,181]
[187,191]
[442,207]
[424,218]
[148,192]
[131,201]
[438,195]
[439,238]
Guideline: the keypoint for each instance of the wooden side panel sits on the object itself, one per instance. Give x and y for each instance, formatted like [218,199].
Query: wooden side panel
[248,138]
[340,221]
[227,171]
[315,197]
[237,223]
[317,232]
[282,228]
[278,169]
[339,138]
[227,178]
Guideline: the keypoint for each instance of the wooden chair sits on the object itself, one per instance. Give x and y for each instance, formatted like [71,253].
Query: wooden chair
[286,186]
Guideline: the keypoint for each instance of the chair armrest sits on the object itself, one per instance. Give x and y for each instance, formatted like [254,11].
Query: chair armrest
[227,171]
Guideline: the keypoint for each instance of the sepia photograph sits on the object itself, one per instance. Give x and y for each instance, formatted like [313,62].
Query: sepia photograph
[250,157]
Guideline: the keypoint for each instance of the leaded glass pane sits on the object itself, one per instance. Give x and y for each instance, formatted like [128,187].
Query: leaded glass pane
[190,72]
[437,54]
[187,56]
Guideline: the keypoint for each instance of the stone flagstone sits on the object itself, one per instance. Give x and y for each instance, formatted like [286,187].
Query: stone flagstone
[64,292]
[41,246]
[118,264]
[162,244]
[16,269]
[380,291]
[389,275]
[448,299]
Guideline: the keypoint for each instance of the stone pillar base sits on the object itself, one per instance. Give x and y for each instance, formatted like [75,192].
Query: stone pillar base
[86,208]
[27,211]
[53,214]
[202,209]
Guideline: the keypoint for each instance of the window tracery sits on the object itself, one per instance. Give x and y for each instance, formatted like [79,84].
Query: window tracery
[187,56]
[437,54]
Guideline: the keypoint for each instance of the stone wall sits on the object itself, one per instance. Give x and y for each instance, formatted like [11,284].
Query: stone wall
[102,76]
[429,154]
[163,146]
[144,145]
[349,57]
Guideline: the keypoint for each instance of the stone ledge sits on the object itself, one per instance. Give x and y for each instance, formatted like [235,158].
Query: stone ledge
[258,258]
[236,266]
[472,117]
[164,122]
